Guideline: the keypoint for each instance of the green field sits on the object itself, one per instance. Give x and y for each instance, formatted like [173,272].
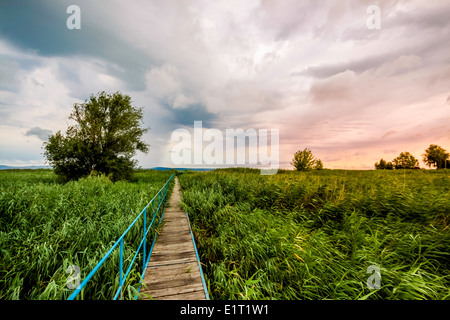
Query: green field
[46,226]
[293,235]
[312,235]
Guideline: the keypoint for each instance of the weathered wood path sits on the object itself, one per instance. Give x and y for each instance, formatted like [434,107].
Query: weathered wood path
[173,272]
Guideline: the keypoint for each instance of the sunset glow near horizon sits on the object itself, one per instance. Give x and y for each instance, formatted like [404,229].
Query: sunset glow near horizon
[314,70]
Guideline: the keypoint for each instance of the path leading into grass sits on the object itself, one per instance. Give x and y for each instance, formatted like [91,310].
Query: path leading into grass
[173,272]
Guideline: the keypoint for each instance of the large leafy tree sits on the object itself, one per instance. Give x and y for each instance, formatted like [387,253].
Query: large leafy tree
[405,161]
[103,139]
[436,156]
[305,160]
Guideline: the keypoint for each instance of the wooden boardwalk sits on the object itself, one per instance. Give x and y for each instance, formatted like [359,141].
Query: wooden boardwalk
[173,272]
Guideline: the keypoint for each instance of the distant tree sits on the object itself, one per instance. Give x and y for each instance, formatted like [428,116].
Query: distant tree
[405,161]
[318,165]
[436,156]
[389,166]
[384,165]
[381,165]
[104,138]
[305,160]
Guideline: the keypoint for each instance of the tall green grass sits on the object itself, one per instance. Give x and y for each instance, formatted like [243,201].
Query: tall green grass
[312,235]
[46,226]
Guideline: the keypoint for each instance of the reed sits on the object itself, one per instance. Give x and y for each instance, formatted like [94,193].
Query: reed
[312,235]
[46,226]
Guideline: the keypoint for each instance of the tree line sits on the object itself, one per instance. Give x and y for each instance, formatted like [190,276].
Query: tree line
[435,157]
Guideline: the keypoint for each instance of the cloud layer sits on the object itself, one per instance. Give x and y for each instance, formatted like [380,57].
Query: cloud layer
[311,69]
[40,133]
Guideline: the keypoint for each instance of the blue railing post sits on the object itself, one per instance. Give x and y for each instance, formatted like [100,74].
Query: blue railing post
[154,207]
[121,269]
[145,238]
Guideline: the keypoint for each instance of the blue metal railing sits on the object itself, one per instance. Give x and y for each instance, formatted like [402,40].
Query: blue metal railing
[205,288]
[157,200]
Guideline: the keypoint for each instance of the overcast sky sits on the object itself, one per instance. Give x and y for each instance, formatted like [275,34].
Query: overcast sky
[312,69]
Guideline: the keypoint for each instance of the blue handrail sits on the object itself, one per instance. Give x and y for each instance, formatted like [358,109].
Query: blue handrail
[122,278]
[205,288]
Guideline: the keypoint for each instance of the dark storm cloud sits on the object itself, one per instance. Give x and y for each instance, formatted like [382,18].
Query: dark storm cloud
[42,134]
[186,116]
[40,26]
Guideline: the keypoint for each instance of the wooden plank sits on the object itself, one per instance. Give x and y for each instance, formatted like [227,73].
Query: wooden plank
[175,285]
[173,232]
[174,246]
[169,262]
[155,293]
[176,252]
[195,295]
[166,258]
[187,268]
[176,267]
[170,241]
[175,216]
[173,252]
[171,258]
[176,226]
[184,229]
[175,222]
[186,236]
[169,280]
[166,280]
[169,214]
